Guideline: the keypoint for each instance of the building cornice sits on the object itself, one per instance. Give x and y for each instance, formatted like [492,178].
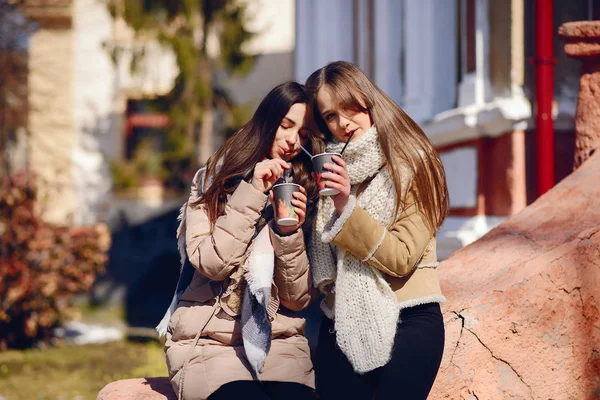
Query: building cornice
[490,119]
[49,14]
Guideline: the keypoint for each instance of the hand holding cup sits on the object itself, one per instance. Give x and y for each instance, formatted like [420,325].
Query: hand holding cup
[289,206]
[337,178]
[319,161]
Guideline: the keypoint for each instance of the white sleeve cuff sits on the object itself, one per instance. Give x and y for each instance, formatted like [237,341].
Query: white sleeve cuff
[372,252]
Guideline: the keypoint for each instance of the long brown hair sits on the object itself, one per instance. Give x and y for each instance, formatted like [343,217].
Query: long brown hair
[400,137]
[235,160]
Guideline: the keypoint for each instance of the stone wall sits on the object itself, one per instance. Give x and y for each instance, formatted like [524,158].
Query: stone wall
[51,120]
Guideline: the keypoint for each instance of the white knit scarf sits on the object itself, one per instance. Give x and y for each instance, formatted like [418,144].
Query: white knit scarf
[366,311]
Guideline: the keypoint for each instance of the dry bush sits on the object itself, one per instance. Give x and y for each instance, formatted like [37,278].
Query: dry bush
[42,267]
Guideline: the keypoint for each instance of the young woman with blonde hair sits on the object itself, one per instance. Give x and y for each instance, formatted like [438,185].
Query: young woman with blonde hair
[373,248]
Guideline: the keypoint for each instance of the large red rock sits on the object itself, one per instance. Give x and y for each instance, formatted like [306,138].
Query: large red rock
[522,319]
[138,389]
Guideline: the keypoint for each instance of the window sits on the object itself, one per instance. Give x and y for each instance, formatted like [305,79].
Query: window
[472,43]
[144,127]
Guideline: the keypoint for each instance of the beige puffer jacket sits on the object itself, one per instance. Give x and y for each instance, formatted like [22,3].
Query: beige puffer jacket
[218,356]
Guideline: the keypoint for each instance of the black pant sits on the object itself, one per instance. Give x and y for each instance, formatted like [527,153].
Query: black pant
[409,375]
[255,390]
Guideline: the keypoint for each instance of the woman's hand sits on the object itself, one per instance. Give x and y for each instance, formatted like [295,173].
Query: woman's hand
[267,172]
[338,179]
[299,203]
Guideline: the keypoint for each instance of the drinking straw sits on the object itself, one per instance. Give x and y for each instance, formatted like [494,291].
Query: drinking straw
[306,151]
[286,173]
[347,141]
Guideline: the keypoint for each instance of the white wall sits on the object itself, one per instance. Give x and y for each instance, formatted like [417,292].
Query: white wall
[461,176]
[273,21]
[100,89]
[94,93]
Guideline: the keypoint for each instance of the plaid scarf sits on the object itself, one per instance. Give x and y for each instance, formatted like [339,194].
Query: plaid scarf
[256,326]
[258,274]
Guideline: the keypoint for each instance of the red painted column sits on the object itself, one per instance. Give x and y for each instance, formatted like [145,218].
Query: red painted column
[544,91]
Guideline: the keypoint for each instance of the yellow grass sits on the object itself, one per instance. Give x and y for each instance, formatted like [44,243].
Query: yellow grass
[76,372]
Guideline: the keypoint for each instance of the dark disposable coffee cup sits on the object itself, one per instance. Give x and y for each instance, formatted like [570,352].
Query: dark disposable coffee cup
[318,161]
[285,214]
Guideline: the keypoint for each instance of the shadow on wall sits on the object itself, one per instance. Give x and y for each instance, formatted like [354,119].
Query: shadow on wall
[142,270]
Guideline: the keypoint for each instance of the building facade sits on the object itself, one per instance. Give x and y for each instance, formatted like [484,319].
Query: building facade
[76,98]
[84,97]
[461,69]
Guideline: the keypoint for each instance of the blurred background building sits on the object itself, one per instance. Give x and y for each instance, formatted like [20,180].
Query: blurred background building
[114,104]
[462,69]
[89,87]
[87,103]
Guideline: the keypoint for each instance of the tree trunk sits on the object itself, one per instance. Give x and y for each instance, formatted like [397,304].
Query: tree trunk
[4,129]
[13,105]
[205,134]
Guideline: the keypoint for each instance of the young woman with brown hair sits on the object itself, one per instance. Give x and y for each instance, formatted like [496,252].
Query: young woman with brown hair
[373,248]
[232,330]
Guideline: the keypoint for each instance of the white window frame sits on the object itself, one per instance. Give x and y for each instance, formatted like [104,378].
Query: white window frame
[474,87]
[478,113]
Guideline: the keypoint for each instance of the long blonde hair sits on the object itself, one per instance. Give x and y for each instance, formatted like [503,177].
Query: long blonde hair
[400,137]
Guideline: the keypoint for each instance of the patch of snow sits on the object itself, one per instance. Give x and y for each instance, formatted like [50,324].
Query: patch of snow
[82,333]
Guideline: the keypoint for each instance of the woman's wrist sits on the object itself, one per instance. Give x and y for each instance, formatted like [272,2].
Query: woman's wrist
[340,205]
[284,230]
[258,185]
